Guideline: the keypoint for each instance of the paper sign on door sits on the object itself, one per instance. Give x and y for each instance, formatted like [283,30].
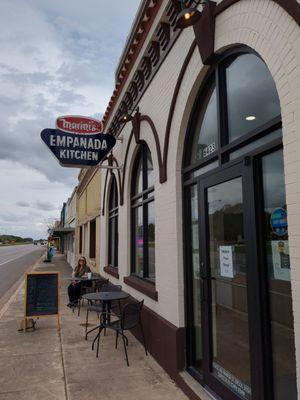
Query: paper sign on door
[226,261]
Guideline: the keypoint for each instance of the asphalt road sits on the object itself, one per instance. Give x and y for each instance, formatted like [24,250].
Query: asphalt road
[14,261]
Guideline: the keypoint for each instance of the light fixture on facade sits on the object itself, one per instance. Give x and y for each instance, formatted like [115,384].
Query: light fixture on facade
[125,118]
[189,14]
[251,118]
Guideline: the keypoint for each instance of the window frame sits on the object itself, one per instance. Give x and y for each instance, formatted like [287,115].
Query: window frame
[217,75]
[113,218]
[141,199]
[222,156]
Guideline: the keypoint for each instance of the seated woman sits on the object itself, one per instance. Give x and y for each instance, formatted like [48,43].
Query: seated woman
[74,289]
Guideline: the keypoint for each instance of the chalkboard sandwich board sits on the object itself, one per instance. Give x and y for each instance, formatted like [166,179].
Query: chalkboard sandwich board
[42,295]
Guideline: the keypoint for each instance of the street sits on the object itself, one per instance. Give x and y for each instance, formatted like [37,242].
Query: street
[14,261]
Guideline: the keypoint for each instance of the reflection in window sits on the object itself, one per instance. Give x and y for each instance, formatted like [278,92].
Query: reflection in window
[143,216]
[196,286]
[113,224]
[252,99]
[231,361]
[278,264]
[206,128]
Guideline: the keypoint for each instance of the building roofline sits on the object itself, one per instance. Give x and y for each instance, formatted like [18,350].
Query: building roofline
[143,21]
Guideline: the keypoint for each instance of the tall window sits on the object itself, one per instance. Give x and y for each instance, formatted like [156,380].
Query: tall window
[113,224]
[236,126]
[143,221]
[93,239]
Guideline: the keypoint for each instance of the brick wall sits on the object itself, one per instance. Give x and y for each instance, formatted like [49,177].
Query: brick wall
[274,35]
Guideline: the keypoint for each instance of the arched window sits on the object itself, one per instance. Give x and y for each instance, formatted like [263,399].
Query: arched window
[113,224]
[236,238]
[235,115]
[142,211]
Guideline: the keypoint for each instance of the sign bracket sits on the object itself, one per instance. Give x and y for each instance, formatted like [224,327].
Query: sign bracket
[120,168]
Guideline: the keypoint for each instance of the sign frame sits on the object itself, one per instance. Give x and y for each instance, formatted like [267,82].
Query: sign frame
[25,317]
[95,120]
[65,146]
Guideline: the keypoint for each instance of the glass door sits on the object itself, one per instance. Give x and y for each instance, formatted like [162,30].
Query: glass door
[223,271]
[241,329]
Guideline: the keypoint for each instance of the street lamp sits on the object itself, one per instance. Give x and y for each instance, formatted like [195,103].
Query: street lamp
[189,13]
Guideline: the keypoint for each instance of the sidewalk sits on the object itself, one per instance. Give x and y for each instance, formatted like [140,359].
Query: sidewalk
[47,365]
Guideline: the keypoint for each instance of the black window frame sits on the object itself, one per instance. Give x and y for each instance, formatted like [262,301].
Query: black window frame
[141,199]
[217,74]
[221,156]
[113,219]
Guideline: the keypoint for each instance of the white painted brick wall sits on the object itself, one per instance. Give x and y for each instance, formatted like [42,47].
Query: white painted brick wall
[269,30]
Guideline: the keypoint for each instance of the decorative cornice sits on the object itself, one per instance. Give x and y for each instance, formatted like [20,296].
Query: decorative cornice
[137,38]
[158,47]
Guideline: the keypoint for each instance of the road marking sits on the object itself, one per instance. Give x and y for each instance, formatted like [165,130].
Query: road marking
[13,259]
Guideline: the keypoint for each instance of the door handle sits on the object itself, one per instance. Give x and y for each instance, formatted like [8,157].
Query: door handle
[203,273]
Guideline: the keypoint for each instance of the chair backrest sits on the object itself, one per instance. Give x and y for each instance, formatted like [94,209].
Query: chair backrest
[131,315]
[109,287]
[100,283]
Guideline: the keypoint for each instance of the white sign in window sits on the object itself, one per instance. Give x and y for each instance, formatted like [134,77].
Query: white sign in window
[226,261]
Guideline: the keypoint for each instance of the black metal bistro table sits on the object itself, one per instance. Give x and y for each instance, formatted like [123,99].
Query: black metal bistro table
[93,279]
[106,298]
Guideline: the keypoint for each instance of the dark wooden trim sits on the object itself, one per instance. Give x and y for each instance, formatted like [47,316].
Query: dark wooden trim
[205,28]
[119,185]
[165,341]
[124,170]
[156,138]
[136,127]
[142,286]
[113,271]
[104,193]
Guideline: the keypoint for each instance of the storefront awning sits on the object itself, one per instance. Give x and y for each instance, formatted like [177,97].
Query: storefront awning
[63,230]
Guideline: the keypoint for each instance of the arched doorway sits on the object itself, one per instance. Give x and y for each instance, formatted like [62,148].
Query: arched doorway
[240,336]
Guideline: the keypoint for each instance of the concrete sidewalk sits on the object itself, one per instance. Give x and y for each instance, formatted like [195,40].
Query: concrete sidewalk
[47,364]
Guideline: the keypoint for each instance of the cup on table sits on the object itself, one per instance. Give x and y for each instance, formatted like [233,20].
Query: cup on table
[89,275]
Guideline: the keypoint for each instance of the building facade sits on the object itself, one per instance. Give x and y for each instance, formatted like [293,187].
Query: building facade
[70,223]
[88,217]
[202,221]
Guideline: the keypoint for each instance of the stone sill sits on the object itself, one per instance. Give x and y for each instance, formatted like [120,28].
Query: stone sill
[195,386]
[142,286]
[113,271]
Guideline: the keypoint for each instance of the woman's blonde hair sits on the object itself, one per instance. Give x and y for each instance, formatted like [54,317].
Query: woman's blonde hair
[78,266]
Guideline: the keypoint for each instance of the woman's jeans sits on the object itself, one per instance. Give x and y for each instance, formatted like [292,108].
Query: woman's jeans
[74,291]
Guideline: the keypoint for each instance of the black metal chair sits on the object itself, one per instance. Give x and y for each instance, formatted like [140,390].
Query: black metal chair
[90,289]
[98,306]
[130,318]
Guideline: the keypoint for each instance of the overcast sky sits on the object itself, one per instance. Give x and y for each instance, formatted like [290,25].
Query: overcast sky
[57,57]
